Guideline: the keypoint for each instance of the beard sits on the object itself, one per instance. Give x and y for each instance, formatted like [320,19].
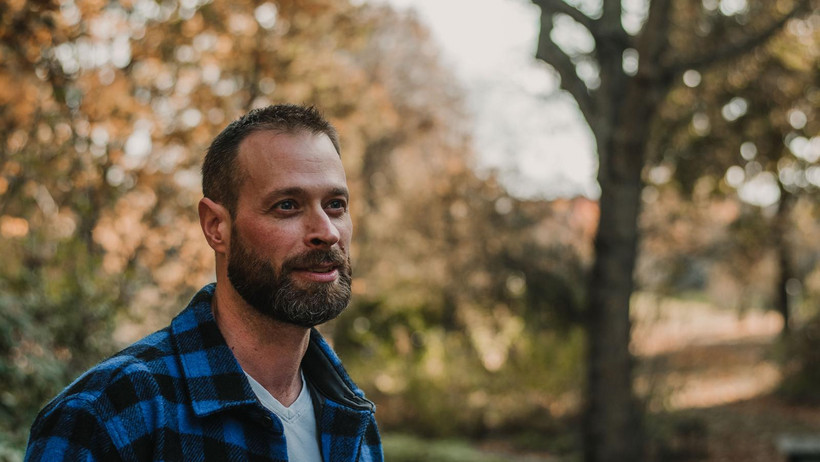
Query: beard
[276,294]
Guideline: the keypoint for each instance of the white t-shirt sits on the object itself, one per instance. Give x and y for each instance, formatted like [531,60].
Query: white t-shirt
[298,419]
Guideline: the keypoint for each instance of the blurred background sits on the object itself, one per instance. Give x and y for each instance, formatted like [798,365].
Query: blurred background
[485,141]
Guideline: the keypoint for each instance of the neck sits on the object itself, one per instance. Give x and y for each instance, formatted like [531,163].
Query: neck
[268,350]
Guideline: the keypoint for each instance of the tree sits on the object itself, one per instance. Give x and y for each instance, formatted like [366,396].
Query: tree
[756,117]
[620,86]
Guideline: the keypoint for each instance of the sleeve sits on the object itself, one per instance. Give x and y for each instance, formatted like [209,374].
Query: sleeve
[70,431]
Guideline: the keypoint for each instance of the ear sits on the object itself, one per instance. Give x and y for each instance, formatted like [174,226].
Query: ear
[215,221]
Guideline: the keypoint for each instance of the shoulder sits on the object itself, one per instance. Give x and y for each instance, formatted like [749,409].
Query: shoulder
[70,429]
[120,404]
[138,369]
[95,413]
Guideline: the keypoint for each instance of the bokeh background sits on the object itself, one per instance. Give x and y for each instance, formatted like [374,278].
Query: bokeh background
[490,311]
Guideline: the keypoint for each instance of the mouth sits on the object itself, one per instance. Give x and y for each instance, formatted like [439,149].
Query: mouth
[316,266]
[318,273]
[324,267]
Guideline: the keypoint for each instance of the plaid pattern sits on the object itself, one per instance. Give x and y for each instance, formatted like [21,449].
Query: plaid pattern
[179,394]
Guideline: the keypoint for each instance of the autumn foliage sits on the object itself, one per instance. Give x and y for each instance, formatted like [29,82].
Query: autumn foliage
[107,109]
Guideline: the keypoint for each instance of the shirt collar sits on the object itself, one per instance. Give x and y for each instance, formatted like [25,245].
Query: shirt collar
[214,378]
[324,370]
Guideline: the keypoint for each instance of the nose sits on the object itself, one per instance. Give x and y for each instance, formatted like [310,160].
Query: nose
[320,231]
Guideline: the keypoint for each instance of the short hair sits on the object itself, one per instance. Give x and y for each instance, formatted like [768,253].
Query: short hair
[221,175]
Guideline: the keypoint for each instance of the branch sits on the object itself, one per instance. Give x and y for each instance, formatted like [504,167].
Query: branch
[733,50]
[605,29]
[609,28]
[653,41]
[612,10]
[550,7]
[549,52]
[655,35]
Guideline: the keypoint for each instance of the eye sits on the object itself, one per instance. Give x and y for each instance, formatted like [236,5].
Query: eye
[285,205]
[337,204]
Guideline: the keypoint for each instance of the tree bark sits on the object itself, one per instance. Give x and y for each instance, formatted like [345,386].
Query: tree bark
[612,421]
[619,113]
[781,245]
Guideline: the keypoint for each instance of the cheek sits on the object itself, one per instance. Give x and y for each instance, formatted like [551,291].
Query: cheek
[271,241]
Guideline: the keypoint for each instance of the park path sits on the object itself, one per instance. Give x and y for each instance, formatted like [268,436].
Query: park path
[710,374]
[693,355]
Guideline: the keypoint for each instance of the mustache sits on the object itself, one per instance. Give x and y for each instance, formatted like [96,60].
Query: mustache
[316,257]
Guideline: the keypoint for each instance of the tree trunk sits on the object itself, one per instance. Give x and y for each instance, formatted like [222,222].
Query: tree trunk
[781,226]
[613,429]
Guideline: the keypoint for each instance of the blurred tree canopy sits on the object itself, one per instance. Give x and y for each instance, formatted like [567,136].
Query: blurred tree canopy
[622,68]
[462,293]
[106,111]
[746,131]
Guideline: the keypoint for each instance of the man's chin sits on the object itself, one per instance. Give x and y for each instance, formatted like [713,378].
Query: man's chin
[305,322]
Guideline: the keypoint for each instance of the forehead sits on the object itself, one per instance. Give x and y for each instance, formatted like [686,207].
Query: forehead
[269,159]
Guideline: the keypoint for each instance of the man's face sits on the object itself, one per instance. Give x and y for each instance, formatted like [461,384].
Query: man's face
[291,231]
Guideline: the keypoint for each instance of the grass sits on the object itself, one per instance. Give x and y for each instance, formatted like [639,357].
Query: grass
[405,448]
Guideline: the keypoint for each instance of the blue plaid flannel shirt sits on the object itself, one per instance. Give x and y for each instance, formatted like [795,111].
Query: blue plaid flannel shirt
[179,394]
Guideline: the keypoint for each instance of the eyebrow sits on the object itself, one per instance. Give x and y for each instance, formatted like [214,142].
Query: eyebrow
[301,192]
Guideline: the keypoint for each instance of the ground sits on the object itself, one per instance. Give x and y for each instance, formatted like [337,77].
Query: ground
[713,374]
[709,375]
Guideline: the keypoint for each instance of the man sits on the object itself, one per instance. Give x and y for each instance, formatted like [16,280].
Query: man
[240,374]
